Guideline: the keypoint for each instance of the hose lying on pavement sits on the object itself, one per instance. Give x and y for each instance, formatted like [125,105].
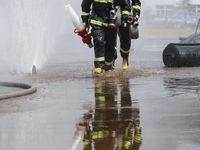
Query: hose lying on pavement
[29,89]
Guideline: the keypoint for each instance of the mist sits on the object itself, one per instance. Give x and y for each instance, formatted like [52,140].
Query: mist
[29,31]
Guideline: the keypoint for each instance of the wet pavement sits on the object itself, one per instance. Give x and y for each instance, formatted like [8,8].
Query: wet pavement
[148,107]
[5,89]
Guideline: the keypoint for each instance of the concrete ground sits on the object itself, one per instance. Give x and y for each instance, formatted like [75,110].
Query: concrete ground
[152,106]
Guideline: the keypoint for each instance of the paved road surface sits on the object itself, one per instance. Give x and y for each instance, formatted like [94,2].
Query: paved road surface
[149,107]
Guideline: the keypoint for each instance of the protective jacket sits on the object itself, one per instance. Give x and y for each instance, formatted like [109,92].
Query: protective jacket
[125,40]
[97,14]
[136,6]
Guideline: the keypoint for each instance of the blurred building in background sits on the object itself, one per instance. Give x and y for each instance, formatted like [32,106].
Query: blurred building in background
[173,15]
[174,12]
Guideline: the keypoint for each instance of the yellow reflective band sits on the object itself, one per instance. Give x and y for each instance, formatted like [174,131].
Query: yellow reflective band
[110,1]
[136,7]
[126,133]
[96,22]
[99,23]
[100,134]
[104,1]
[137,16]
[138,138]
[85,14]
[108,63]
[127,144]
[115,98]
[86,142]
[125,52]
[126,13]
[125,24]
[94,136]
[101,98]
[100,59]
[84,24]
[105,24]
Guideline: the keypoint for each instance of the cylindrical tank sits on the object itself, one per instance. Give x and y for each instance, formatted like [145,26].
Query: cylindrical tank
[134,32]
[182,55]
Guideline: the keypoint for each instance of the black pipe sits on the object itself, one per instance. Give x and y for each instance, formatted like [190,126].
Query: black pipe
[182,55]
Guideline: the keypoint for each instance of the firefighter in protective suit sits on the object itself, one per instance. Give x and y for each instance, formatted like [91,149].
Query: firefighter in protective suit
[96,13]
[124,36]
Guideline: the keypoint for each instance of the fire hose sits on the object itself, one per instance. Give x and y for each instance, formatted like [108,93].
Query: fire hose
[28,89]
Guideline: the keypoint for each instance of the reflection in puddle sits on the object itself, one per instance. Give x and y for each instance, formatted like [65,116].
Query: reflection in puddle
[114,123]
[179,86]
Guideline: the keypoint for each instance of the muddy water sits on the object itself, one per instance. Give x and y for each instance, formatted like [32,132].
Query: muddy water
[149,107]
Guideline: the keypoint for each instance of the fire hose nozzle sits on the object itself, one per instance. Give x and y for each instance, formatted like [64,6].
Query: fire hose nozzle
[112,14]
[133,20]
[130,19]
[136,23]
[112,19]
[86,38]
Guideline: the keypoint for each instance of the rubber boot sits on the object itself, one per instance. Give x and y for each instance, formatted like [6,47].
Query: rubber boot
[125,64]
[98,71]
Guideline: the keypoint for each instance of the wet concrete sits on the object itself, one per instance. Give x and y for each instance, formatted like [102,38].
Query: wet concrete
[148,107]
[5,89]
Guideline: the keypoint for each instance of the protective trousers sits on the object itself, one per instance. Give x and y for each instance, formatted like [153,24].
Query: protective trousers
[104,39]
[125,41]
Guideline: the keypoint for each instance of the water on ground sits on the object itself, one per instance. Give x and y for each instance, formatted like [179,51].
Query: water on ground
[148,107]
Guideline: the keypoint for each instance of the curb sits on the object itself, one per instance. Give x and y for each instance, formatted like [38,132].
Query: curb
[29,89]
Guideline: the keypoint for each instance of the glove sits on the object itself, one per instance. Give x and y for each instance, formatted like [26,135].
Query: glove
[85,20]
[136,14]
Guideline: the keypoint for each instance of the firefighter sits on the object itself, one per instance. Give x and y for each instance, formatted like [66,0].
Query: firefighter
[123,32]
[96,13]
